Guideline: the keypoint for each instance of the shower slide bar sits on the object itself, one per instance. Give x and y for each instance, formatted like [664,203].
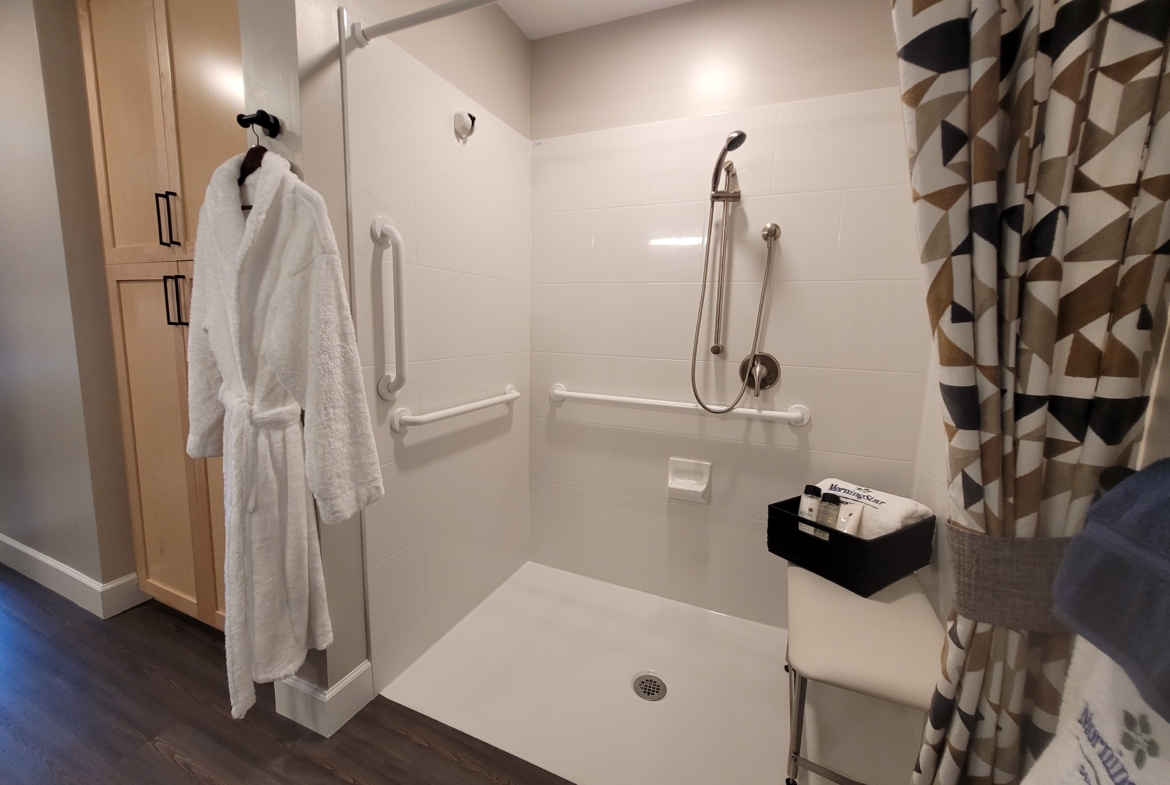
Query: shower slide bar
[796,415]
[401,419]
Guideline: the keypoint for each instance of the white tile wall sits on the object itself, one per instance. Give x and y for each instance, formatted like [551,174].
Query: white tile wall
[930,488]
[577,260]
[617,218]
[454,522]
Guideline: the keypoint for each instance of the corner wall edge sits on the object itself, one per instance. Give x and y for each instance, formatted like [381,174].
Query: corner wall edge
[322,710]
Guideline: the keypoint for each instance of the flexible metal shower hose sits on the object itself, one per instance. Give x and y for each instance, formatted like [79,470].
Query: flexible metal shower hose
[699,318]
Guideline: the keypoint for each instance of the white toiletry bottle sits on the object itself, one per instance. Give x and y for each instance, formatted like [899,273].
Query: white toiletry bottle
[849,519]
[829,510]
[810,502]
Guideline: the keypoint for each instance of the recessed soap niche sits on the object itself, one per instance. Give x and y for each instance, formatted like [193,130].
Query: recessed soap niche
[689,480]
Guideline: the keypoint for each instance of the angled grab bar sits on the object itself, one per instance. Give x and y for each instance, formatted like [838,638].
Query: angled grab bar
[796,415]
[384,233]
[401,419]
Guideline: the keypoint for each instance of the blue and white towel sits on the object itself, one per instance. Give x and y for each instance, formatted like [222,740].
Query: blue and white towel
[1106,734]
[1114,584]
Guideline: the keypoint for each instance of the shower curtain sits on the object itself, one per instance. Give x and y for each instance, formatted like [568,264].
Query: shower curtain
[1040,164]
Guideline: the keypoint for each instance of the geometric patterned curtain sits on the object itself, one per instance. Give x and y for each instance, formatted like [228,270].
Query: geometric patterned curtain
[1040,163]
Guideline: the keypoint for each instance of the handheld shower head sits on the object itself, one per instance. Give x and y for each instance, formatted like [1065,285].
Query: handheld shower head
[734,141]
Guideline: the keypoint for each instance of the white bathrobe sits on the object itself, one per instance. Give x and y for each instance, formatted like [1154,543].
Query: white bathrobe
[271,337]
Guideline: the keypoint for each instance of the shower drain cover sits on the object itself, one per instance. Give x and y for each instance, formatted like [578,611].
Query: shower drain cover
[648,686]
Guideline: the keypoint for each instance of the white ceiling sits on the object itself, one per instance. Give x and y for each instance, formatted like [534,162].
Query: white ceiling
[540,18]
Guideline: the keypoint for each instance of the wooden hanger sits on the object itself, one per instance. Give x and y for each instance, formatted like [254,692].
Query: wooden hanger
[250,164]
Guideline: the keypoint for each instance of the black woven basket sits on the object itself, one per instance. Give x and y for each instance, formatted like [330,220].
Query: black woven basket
[861,566]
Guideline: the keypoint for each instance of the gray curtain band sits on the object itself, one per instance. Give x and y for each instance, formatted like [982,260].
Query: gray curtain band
[1006,581]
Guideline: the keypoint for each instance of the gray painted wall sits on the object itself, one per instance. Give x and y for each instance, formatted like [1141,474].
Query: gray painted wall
[708,56]
[62,482]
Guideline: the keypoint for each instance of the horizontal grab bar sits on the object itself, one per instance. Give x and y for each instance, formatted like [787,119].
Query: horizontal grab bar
[796,415]
[401,419]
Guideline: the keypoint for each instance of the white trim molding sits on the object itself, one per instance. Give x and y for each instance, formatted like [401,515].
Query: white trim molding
[325,710]
[100,599]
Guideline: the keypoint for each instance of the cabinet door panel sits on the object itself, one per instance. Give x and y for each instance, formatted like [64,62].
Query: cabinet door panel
[208,77]
[126,100]
[150,356]
[207,535]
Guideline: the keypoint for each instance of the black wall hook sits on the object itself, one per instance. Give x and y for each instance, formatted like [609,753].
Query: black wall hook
[270,123]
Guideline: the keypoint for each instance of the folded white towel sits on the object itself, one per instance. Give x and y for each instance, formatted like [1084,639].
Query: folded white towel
[885,512]
[1106,733]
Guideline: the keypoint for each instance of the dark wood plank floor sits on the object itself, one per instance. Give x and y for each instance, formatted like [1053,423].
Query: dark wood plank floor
[142,698]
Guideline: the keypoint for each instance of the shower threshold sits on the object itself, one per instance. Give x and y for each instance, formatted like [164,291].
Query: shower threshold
[545,669]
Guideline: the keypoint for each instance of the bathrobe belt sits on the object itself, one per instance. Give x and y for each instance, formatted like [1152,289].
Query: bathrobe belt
[280,417]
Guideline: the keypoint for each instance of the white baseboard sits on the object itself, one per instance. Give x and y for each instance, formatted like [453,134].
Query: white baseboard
[325,710]
[100,599]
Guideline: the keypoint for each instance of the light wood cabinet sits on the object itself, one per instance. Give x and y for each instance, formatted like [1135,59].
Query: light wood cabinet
[208,537]
[165,85]
[163,481]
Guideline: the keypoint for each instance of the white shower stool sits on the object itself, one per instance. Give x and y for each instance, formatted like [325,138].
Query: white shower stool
[886,646]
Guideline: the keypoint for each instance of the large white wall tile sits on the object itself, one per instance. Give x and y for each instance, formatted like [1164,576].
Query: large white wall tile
[434,313]
[672,549]
[808,323]
[870,413]
[495,315]
[440,478]
[842,141]
[659,243]
[562,247]
[807,249]
[638,320]
[396,588]
[390,664]
[877,235]
[587,171]
[456,554]
[462,229]
[383,184]
[873,325]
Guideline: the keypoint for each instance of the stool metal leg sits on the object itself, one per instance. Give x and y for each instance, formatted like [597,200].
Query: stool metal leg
[797,692]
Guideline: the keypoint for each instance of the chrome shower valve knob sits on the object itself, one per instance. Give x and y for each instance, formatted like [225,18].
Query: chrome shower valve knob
[770,233]
[760,373]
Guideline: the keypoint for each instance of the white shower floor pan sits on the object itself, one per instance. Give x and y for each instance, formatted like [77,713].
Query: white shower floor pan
[543,669]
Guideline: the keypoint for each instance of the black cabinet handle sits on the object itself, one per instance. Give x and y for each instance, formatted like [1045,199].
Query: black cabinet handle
[179,302]
[170,224]
[166,281]
[158,218]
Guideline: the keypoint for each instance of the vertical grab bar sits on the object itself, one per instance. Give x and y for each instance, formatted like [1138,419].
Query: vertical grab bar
[384,233]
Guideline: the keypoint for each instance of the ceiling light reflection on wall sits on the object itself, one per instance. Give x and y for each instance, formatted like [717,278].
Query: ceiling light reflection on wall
[712,80]
[677,242]
[226,78]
